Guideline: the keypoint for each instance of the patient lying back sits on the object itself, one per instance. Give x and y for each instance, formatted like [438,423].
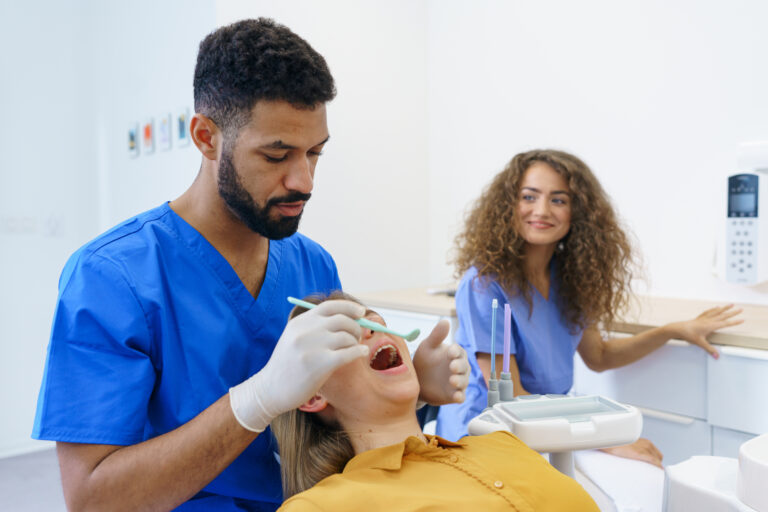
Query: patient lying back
[357,445]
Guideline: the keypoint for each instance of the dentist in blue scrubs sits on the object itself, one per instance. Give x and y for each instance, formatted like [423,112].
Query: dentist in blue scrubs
[544,238]
[169,352]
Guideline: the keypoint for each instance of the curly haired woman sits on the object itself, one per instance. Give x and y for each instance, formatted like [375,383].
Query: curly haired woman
[544,238]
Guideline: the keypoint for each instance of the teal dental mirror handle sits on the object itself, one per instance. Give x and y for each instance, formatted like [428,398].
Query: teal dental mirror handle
[362,321]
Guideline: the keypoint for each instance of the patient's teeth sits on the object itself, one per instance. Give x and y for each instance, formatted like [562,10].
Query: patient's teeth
[383,347]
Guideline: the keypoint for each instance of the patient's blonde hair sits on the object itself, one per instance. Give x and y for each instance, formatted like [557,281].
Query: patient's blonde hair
[310,448]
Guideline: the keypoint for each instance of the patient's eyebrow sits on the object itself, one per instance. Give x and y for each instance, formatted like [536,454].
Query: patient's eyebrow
[372,312]
[534,189]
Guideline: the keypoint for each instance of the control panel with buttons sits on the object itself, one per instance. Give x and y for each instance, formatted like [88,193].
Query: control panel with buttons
[747,228]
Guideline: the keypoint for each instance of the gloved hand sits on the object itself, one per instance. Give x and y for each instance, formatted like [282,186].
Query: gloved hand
[313,345]
[443,370]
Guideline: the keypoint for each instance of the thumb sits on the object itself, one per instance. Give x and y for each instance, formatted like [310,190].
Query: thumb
[438,334]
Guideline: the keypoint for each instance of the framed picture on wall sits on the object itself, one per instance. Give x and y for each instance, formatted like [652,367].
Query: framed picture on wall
[133,140]
[164,132]
[181,127]
[148,136]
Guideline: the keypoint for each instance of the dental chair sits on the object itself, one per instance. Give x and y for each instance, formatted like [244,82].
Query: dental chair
[720,484]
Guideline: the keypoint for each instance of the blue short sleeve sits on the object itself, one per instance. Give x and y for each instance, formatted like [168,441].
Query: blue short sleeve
[474,298]
[99,375]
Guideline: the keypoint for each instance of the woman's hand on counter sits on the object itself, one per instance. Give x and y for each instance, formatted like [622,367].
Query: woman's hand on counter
[696,331]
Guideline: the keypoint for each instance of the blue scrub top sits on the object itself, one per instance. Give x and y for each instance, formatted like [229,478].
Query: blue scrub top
[542,342]
[152,326]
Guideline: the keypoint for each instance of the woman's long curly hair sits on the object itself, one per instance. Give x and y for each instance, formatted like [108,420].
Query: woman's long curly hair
[593,263]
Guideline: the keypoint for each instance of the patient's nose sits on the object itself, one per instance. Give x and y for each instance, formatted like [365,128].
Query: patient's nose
[367,333]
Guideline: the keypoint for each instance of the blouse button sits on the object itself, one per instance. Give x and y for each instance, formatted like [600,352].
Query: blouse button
[498,484]
[454,458]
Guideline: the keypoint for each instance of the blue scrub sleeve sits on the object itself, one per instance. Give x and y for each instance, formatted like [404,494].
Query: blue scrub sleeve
[473,307]
[98,377]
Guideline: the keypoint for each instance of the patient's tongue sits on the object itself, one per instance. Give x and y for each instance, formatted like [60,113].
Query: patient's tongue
[381,360]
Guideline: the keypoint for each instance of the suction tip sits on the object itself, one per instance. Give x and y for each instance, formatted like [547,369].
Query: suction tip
[495,303]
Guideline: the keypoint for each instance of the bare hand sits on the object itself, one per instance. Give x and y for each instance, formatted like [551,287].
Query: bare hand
[443,370]
[642,450]
[696,331]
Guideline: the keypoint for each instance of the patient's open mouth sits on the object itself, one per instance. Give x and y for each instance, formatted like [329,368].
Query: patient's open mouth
[386,357]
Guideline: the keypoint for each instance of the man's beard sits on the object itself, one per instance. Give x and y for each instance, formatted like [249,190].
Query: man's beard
[256,217]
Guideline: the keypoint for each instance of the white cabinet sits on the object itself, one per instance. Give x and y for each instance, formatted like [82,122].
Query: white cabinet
[671,379]
[692,404]
[737,391]
[726,442]
[677,437]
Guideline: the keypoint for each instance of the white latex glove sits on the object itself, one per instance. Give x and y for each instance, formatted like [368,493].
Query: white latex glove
[313,345]
[442,369]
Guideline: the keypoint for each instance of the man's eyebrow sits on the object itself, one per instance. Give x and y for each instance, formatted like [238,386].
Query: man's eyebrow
[279,144]
[533,189]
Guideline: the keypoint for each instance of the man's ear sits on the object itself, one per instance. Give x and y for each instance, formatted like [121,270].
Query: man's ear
[206,136]
[315,404]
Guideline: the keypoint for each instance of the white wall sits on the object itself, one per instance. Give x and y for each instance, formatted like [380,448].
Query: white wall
[144,63]
[74,74]
[47,160]
[654,96]
[369,206]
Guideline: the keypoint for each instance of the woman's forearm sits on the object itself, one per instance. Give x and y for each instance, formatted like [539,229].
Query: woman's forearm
[599,354]
[623,351]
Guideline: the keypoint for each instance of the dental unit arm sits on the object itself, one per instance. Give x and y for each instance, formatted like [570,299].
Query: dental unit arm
[493,384]
[506,387]
[559,424]
[555,424]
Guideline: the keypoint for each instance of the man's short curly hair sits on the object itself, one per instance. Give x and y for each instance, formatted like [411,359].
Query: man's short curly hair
[252,60]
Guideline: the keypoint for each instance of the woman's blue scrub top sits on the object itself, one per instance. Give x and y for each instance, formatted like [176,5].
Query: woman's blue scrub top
[542,342]
[152,326]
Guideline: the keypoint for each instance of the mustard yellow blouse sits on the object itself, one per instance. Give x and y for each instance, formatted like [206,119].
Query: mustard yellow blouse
[484,473]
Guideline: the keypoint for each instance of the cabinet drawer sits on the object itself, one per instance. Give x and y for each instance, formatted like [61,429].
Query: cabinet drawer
[406,321]
[726,442]
[737,390]
[671,379]
[678,437]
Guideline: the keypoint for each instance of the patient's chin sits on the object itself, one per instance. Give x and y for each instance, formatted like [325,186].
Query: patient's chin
[403,394]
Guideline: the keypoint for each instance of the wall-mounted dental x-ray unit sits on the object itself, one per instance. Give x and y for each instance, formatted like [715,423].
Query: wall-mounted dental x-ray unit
[746,236]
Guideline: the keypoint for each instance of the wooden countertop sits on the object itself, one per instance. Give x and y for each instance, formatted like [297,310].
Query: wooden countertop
[411,299]
[647,312]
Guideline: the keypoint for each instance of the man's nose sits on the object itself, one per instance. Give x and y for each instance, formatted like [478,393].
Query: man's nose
[367,333]
[300,177]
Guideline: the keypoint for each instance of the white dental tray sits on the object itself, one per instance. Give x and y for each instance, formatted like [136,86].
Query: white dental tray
[558,423]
